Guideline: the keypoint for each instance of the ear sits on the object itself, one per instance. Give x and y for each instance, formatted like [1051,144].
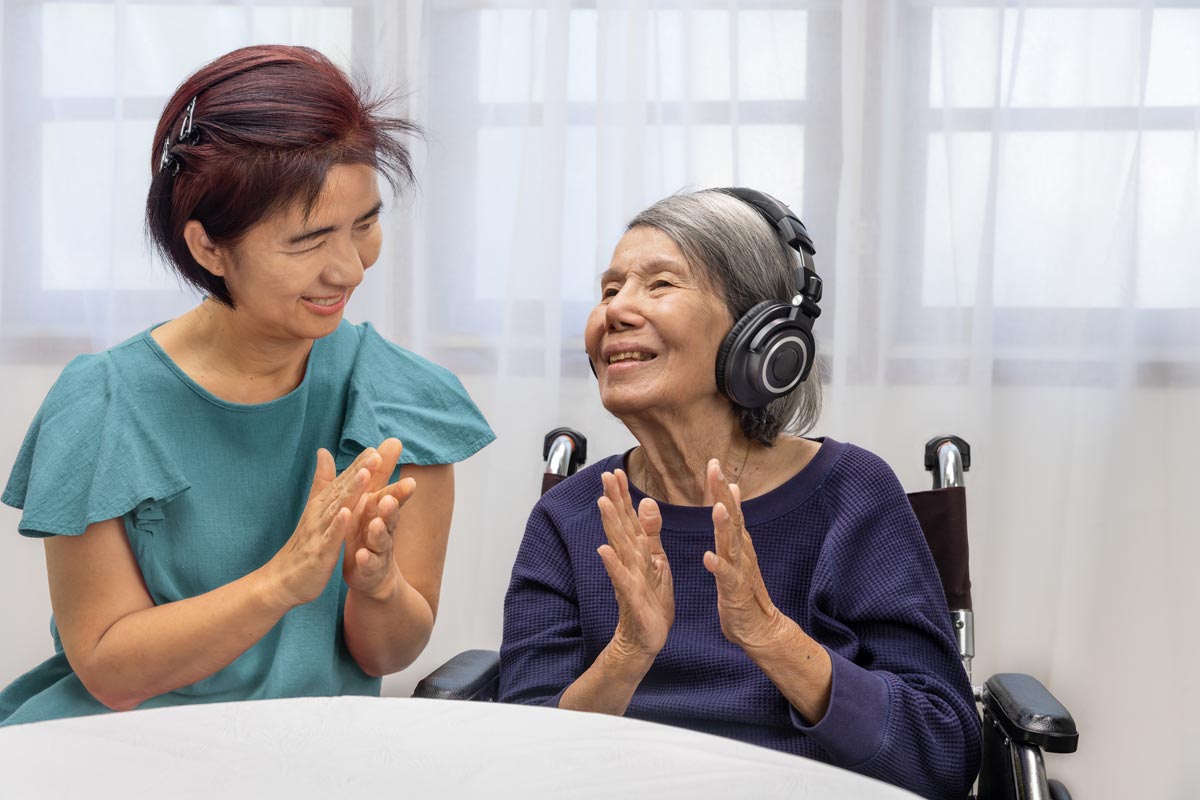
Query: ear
[206,253]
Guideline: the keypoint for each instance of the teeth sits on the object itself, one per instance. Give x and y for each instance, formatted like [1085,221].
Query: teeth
[326,301]
[629,356]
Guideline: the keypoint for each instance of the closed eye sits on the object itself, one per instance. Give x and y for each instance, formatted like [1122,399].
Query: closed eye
[316,246]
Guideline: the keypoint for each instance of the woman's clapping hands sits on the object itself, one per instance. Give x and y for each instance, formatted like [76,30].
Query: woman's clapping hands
[357,508]
[369,566]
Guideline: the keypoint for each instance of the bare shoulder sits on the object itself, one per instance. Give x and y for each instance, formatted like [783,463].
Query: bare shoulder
[177,338]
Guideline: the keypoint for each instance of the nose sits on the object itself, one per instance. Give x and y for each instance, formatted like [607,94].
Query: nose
[624,309]
[345,267]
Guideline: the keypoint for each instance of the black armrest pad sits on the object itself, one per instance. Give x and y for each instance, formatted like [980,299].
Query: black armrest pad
[1030,714]
[470,675]
[1058,791]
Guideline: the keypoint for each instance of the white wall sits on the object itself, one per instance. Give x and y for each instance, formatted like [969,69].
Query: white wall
[24,601]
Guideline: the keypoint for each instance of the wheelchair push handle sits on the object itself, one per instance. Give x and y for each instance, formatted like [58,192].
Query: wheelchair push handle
[942,513]
[564,450]
[947,457]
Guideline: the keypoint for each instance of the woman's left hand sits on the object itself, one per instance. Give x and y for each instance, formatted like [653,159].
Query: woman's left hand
[368,565]
[748,617]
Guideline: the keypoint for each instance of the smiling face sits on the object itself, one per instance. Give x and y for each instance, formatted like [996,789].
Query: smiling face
[654,335]
[292,274]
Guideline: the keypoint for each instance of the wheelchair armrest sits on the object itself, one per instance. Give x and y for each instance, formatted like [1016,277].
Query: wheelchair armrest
[470,675]
[1058,791]
[1028,713]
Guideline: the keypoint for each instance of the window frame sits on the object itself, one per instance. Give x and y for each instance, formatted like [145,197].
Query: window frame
[38,324]
[453,196]
[1167,340]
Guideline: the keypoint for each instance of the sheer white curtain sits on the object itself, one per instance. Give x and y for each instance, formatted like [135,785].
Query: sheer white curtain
[1004,198]
[1016,262]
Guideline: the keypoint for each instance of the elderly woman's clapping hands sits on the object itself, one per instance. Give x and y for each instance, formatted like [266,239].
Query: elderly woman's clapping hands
[748,617]
[637,567]
[641,576]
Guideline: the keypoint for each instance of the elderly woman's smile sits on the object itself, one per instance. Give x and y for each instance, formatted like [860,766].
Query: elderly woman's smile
[629,355]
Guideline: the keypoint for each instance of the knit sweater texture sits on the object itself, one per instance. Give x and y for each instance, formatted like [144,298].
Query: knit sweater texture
[841,554]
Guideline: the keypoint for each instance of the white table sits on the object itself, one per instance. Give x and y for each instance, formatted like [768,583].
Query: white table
[369,748]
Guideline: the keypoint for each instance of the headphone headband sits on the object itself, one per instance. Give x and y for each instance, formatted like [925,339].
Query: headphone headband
[791,230]
[793,233]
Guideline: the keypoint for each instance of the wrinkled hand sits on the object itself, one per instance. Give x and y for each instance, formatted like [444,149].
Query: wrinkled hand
[369,566]
[637,567]
[298,573]
[748,617]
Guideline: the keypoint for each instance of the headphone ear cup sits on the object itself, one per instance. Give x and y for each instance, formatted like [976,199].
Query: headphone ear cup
[732,358]
[810,349]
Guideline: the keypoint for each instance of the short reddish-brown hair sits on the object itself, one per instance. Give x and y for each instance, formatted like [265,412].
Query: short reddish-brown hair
[268,124]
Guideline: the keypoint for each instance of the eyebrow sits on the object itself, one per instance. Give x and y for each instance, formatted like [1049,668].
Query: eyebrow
[319,232]
[657,265]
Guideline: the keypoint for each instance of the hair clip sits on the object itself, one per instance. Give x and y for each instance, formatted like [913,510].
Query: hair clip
[186,131]
[167,161]
[188,134]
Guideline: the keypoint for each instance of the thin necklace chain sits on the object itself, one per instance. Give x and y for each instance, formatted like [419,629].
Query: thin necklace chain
[741,468]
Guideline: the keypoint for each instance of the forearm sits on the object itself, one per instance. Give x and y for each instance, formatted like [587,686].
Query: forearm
[387,632]
[160,649]
[608,684]
[797,665]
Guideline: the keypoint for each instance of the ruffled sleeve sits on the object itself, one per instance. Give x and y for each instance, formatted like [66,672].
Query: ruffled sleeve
[394,392]
[89,456]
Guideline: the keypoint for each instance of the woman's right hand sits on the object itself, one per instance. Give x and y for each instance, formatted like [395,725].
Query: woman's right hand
[638,568]
[299,572]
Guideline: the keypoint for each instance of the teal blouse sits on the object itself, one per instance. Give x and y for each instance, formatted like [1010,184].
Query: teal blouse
[210,490]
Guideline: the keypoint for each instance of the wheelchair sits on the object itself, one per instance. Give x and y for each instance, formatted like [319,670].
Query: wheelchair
[1021,718]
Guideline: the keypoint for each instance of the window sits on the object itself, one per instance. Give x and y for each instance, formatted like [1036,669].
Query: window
[84,84]
[553,125]
[1052,184]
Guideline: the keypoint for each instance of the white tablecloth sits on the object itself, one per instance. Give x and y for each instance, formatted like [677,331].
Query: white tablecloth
[355,747]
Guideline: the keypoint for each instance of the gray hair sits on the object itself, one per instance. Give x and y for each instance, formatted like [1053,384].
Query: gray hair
[738,255]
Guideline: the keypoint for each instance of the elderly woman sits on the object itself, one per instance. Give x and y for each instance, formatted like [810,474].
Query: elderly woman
[727,574]
[197,485]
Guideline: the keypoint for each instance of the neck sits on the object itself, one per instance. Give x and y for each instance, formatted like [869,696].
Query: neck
[231,356]
[672,461]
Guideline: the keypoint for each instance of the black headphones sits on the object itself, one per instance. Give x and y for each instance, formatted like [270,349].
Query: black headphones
[770,349]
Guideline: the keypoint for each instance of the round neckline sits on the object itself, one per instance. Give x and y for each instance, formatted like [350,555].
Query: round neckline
[783,498]
[205,394]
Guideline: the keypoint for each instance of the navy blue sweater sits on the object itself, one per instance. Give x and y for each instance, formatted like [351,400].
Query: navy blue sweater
[841,554]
